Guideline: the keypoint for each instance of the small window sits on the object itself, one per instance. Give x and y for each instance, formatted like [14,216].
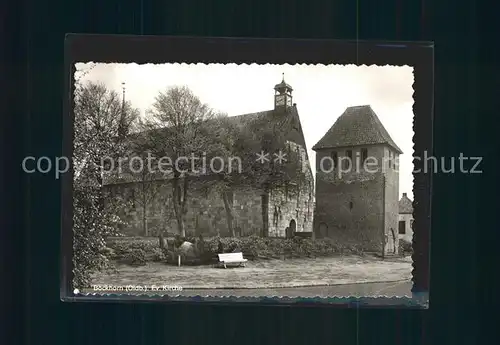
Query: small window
[348,161]
[402,227]
[364,155]
[349,154]
[351,205]
[389,165]
[335,159]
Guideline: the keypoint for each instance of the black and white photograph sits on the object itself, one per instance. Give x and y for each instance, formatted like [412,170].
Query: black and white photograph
[245,180]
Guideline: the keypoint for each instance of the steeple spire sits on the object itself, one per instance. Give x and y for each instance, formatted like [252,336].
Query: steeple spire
[122,130]
[123,96]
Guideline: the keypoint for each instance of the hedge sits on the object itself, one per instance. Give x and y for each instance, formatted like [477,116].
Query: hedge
[139,251]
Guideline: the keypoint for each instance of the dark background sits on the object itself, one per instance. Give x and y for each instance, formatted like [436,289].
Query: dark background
[464,228]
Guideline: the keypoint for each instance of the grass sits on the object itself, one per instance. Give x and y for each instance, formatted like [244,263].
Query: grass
[263,273]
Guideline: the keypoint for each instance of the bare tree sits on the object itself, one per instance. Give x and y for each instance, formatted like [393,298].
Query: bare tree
[147,189]
[175,129]
[223,133]
[167,214]
[267,135]
[129,120]
[239,143]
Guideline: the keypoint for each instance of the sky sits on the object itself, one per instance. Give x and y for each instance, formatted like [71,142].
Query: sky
[321,92]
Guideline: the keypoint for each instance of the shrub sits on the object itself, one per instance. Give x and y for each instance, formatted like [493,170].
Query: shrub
[136,257]
[123,246]
[107,252]
[170,256]
[91,225]
[405,247]
[258,247]
[253,247]
[158,255]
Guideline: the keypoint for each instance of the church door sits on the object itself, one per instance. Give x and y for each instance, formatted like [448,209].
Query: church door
[323,230]
[292,228]
[393,240]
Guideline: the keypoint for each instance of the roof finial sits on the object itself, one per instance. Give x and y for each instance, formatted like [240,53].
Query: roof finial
[123,92]
[283,74]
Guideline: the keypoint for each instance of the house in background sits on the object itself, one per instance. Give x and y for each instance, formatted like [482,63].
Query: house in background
[359,204]
[405,228]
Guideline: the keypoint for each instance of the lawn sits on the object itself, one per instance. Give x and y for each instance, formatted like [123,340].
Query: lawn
[263,273]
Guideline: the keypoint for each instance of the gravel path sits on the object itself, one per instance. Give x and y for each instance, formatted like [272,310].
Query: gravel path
[263,274]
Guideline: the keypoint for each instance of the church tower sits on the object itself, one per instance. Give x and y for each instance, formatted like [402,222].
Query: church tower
[357,182]
[283,95]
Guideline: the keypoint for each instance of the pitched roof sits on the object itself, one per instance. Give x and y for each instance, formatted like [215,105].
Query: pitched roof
[268,118]
[356,126]
[250,121]
[405,204]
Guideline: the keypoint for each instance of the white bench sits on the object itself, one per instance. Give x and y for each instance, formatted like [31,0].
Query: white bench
[232,259]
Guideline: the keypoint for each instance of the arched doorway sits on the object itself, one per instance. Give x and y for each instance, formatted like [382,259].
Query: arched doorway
[393,240]
[291,228]
[323,230]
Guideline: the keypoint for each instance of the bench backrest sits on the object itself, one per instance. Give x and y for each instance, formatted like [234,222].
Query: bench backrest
[230,257]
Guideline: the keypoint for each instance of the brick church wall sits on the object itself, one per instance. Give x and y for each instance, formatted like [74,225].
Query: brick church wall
[360,224]
[205,212]
[374,199]
[295,201]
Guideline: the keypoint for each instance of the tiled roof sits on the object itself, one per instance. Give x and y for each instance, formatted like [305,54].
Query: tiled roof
[356,126]
[268,118]
[405,204]
[252,122]
[244,120]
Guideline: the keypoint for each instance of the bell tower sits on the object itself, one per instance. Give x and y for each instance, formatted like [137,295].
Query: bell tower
[282,95]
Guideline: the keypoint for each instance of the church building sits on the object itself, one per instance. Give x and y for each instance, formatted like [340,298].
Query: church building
[258,210]
[357,183]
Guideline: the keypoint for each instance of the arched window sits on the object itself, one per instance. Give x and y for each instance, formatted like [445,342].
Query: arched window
[335,158]
[364,155]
